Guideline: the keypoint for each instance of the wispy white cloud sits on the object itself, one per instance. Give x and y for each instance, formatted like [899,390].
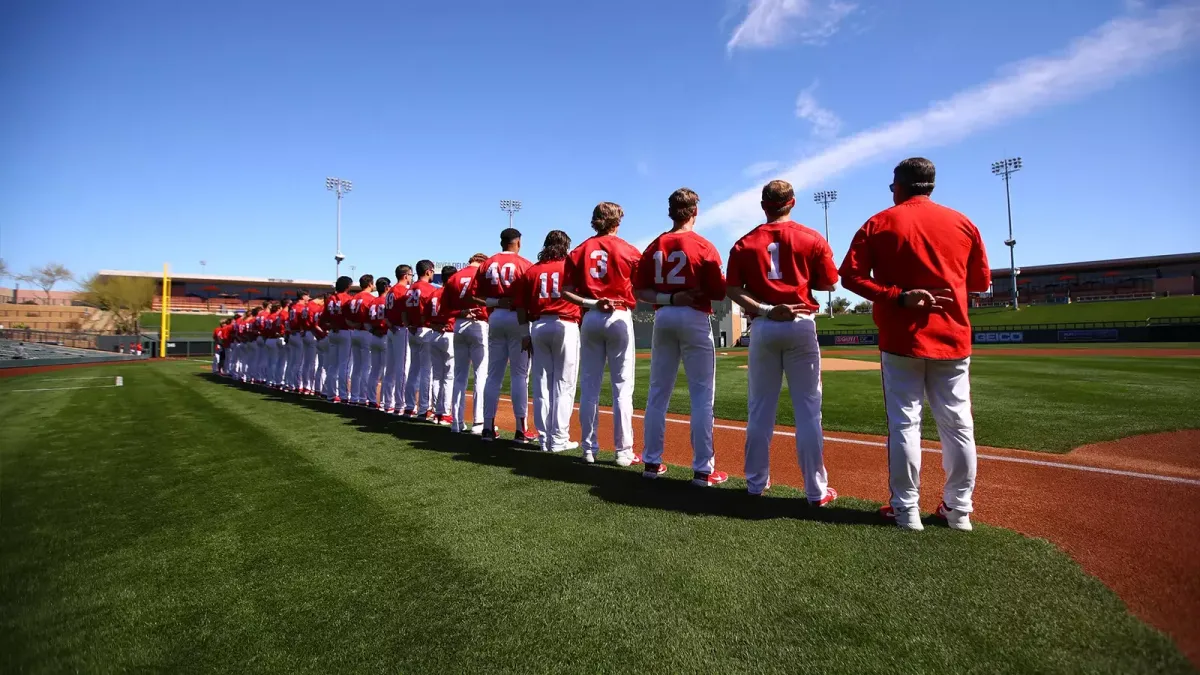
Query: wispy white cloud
[772,22]
[825,124]
[759,168]
[1118,49]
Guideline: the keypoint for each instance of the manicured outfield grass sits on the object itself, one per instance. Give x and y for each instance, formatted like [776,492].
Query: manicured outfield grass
[1051,404]
[178,524]
[1133,310]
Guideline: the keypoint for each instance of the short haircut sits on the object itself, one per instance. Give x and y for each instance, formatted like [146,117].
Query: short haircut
[477,258]
[343,283]
[777,198]
[508,236]
[302,293]
[682,205]
[447,272]
[556,247]
[403,271]
[382,284]
[916,175]
[366,281]
[606,217]
[423,267]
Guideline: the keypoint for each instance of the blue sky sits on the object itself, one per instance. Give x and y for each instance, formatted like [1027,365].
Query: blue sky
[137,133]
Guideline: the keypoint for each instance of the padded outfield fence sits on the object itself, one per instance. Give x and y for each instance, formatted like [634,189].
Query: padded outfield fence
[1166,329]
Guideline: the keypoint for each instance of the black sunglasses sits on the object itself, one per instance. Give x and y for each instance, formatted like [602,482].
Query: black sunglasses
[892,187]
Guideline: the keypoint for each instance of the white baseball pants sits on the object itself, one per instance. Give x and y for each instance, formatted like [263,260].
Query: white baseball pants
[395,375]
[779,348]
[377,356]
[470,349]
[260,359]
[280,369]
[324,362]
[417,389]
[441,360]
[360,364]
[308,373]
[504,351]
[216,362]
[607,338]
[947,384]
[681,333]
[555,370]
[340,356]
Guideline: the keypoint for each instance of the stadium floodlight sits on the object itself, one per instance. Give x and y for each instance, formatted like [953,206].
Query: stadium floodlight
[825,198]
[341,187]
[511,206]
[1005,168]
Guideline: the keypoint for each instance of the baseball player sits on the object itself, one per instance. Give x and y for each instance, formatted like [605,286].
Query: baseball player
[554,341]
[339,341]
[395,373]
[441,353]
[320,327]
[357,318]
[773,271]
[680,274]
[470,344]
[598,275]
[216,356]
[308,328]
[493,282]
[417,394]
[916,262]
[377,332]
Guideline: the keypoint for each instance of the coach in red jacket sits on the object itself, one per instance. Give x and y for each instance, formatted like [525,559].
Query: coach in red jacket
[916,262]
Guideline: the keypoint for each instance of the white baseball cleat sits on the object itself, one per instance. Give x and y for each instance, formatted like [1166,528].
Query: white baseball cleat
[589,457]
[477,429]
[628,458]
[571,445]
[955,520]
[906,519]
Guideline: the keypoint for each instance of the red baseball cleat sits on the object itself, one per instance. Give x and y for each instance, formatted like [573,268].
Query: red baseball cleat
[338,399]
[653,470]
[445,420]
[709,479]
[830,495]
[526,438]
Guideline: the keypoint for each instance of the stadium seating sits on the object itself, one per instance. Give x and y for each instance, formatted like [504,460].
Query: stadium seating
[9,349]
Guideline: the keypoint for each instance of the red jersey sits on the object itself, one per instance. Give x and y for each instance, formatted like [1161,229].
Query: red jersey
[415,302]
[539,292]
[316,320]
[496,275]
[456,297]
[217,335]
[680,261]
[393,304]
[603,267]
[376,315]
[435,314]
[358,310]
[297,317]
[780,263]
[918,244]
[335,310]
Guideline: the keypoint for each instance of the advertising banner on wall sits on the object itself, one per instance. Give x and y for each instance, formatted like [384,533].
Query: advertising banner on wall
[1002,337]
[855,339]
[1089,335]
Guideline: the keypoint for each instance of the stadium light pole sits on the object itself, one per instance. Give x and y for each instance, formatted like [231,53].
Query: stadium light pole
[1005,168]
[825,198]
[511,206]
[341,187]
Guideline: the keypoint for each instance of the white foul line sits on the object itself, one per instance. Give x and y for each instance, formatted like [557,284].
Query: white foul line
[936,451]
[100,386]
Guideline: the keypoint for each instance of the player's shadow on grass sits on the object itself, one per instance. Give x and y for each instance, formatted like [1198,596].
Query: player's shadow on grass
[607,481]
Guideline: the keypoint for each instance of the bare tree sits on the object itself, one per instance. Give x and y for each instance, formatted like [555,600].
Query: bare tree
[124,297]
[46,276]
[3,269]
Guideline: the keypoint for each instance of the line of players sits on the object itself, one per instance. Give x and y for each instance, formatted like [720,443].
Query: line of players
[408,346]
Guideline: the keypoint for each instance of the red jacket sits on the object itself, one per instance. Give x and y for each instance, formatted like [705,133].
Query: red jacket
[918,244]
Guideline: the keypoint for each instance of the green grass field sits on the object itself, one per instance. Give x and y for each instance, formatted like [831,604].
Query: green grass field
[1080,312]
[181,524]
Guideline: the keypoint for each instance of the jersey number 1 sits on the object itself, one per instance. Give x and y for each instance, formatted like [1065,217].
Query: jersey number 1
[673,277]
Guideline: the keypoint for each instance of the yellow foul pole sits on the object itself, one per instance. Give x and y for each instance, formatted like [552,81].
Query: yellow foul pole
[164,330]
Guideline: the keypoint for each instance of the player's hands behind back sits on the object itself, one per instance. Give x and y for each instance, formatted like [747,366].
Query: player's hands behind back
[929,300]
[784,312]
[604,305]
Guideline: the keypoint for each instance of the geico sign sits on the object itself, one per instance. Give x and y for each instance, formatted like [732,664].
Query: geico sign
[1015,336]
